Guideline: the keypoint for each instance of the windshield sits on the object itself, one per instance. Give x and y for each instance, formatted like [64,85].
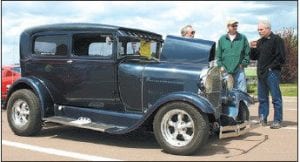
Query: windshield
[138,47]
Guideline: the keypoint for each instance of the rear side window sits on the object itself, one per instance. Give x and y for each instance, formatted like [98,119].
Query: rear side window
[51,45]
[93,45]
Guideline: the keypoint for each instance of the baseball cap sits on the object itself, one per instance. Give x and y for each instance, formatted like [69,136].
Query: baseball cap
[232,21]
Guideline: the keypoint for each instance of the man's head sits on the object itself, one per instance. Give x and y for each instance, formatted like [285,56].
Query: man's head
[188,31]
[264,28]
[232,25]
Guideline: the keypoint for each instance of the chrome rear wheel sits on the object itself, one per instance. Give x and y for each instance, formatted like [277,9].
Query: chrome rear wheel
[20,113]
[23,113]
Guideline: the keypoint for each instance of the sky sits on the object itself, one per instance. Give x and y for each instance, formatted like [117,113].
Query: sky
[208,18]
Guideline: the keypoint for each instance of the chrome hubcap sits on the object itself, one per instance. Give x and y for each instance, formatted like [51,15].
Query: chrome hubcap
[177,127]
[20,113]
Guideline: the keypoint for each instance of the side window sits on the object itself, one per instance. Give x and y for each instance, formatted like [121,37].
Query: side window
[51,45]
[93,45]
[100,49]
[133,48]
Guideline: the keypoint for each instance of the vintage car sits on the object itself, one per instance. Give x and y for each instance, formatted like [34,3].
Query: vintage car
[116,80]
[10,73]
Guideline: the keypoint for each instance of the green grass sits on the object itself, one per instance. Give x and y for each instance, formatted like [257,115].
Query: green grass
[288,89]
[250,71]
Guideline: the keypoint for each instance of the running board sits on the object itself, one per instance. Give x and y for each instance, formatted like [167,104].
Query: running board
[84,122]
[234,130]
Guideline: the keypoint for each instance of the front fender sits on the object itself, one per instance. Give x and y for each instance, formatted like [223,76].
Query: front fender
[33,83]
[199,102]
[238,97]
[241,96]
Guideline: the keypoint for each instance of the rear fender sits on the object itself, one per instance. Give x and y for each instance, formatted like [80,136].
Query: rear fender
[37,86]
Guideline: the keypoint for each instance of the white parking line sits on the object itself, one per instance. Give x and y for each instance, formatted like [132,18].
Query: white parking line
[292,109]
[56,151]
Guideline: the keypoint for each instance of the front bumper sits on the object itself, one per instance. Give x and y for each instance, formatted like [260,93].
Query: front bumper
[234,130]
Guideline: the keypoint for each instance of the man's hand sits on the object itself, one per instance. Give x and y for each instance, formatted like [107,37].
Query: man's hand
[222,69]
[253,44]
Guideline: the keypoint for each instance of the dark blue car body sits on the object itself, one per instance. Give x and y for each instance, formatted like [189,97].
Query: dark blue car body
[120,93]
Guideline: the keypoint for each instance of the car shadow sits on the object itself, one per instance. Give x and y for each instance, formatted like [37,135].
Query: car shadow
[220,146]
[136,139]
[289,123]
[146,140]
[283,124]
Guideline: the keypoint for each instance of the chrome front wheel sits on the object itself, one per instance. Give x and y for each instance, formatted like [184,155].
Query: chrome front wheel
[180,128]
[177,127]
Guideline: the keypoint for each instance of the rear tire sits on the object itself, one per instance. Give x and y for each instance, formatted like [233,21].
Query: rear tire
[23,113]
[180,128]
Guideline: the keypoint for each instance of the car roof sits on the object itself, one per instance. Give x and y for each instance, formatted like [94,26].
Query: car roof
[80,26]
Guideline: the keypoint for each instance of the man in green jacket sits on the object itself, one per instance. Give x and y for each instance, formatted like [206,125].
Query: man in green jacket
[233,54]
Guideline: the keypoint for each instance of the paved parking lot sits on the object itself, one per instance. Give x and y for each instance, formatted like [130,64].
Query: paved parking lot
[61,143]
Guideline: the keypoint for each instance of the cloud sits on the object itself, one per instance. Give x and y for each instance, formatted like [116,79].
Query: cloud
[166,17]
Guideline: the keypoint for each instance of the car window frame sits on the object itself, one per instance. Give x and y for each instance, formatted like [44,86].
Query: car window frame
[158,48]
[50,33]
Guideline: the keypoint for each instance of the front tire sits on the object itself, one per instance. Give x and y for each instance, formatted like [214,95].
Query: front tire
[23,113]
[180,128]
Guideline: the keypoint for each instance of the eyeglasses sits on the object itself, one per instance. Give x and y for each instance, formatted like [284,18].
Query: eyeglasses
[193,32]
[234,26]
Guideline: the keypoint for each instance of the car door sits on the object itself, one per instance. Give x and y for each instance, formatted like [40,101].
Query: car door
[92,81]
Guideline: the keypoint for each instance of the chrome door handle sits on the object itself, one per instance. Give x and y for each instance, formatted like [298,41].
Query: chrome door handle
[69,61]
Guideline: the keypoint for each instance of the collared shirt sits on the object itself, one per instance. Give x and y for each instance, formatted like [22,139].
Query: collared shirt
[270,54]
[231,36]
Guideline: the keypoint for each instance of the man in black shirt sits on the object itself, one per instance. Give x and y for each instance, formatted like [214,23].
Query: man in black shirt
[269,51]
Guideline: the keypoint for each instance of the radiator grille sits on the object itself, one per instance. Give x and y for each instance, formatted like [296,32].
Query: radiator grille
[213,86]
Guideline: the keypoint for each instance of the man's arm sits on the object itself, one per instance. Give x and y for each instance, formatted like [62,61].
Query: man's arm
[219,54]
[254,53]
[279,52]
[246,59]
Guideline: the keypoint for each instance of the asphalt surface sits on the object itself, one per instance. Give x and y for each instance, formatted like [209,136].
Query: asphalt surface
[64,143]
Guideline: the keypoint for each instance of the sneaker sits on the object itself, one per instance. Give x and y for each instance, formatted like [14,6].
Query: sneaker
[275,125]
[263,121]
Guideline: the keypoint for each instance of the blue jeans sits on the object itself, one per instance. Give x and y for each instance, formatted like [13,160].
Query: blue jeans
[240,80]
[266,85]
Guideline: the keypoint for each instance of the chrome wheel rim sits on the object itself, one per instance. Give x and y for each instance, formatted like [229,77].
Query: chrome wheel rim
[20,113]
[177,127]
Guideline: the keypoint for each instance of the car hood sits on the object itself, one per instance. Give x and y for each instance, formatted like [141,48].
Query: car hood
[187,50]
